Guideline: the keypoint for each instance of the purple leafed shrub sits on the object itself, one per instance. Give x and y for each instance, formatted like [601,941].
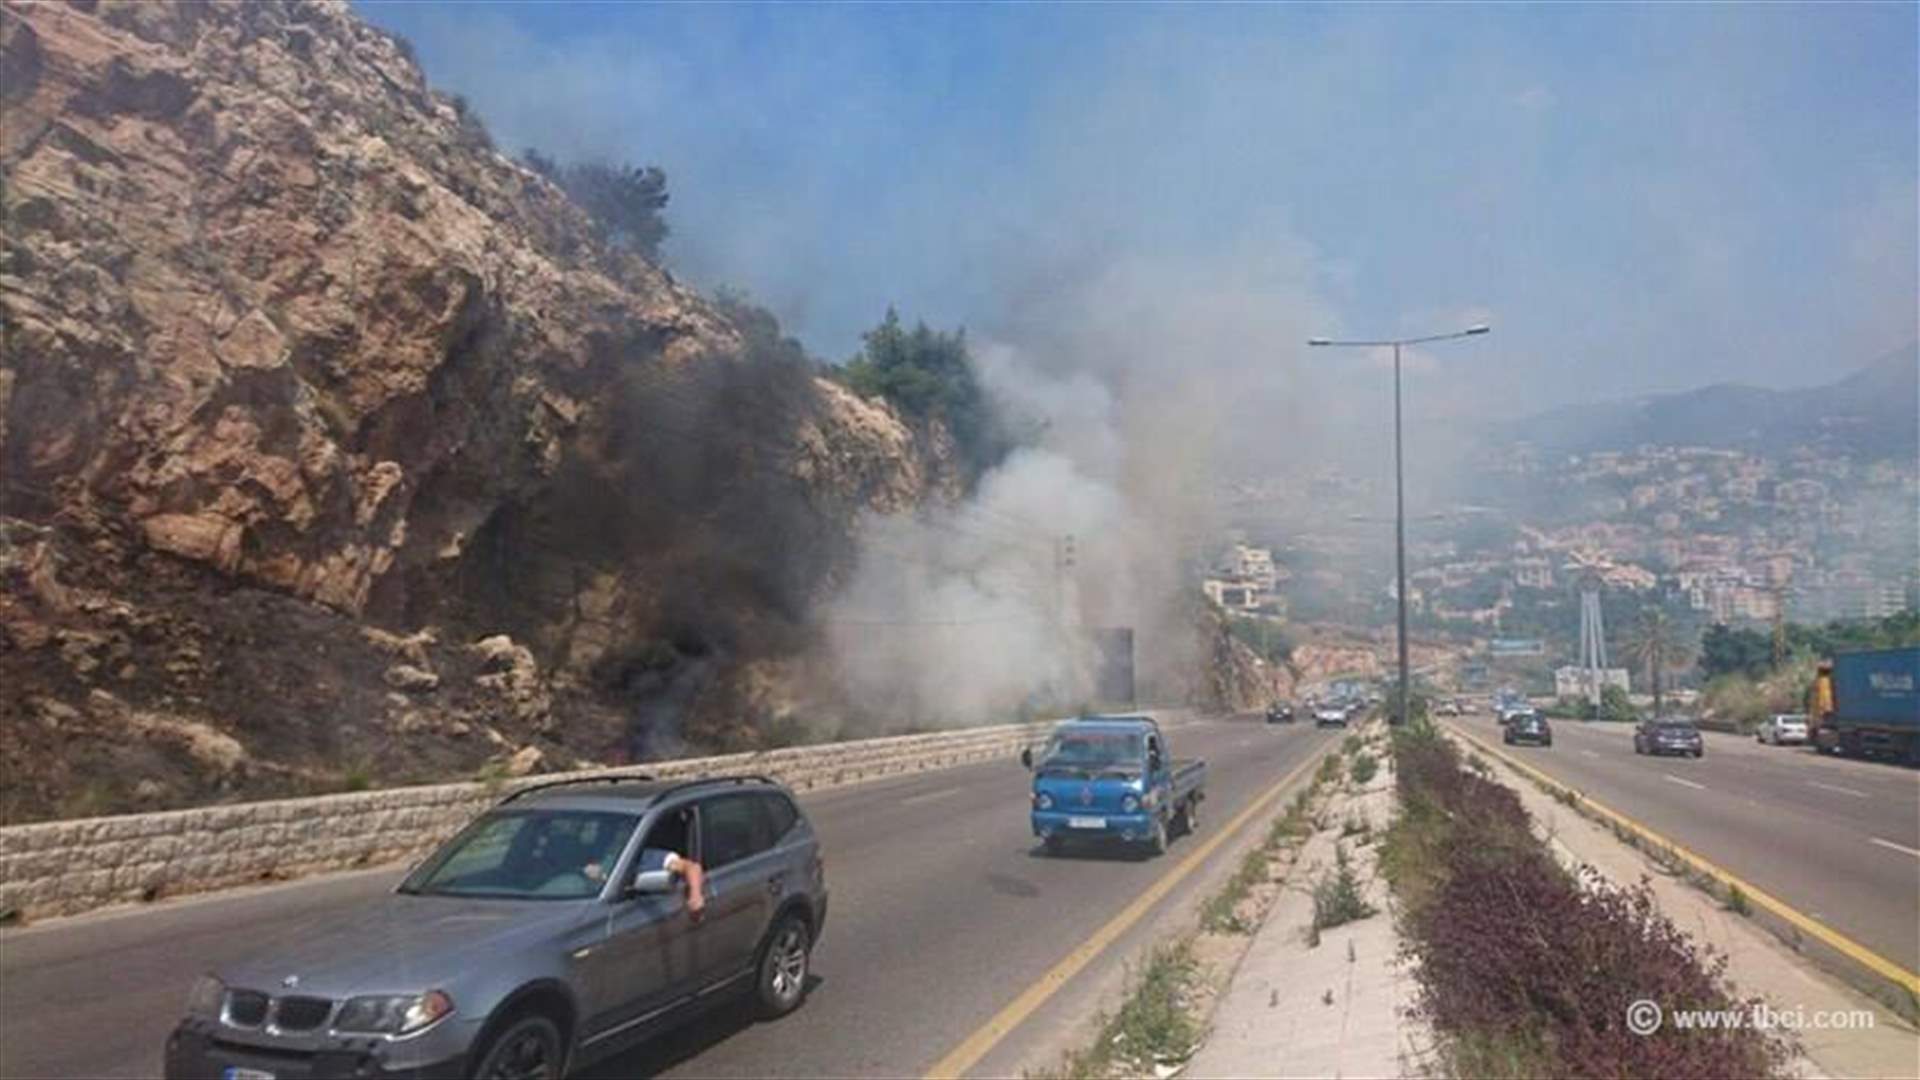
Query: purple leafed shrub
[1524,968]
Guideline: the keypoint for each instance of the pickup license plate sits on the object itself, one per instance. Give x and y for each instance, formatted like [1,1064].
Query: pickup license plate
[241,1072]
[1086,823]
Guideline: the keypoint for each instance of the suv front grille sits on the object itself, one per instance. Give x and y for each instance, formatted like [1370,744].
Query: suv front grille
[300,1013]
[247,1008]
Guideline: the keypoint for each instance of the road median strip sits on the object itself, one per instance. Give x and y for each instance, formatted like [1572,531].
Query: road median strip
[1754,895]
[1528,965]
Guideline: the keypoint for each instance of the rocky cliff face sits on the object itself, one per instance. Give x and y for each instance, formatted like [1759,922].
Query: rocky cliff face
[338,449]
[1229,676]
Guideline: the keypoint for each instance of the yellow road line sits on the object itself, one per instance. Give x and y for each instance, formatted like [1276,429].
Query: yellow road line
[968,1053]
[1839,942]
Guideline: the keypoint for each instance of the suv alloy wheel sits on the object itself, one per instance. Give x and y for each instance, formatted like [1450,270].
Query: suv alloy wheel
[784,959]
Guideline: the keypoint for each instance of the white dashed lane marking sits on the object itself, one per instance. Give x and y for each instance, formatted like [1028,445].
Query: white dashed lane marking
[1894,846]
[1838,788]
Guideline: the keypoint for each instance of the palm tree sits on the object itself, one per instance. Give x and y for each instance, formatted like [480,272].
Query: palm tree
[1656,644]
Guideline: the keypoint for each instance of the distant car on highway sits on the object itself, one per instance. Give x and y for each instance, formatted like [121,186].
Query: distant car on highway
[1113,778]
[1280,712]
[1782,729]
[1507,713]
[1446,707]
[1506,703]
[1528,727]
[532,942]
[1668,735]
[1330,716]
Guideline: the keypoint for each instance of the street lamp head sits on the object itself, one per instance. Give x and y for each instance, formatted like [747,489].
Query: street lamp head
[1479,328]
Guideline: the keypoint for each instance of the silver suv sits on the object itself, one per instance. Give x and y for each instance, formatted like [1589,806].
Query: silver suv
[530,943]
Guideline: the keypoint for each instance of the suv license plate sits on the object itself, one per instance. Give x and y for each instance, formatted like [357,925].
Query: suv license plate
[1086,823]
[241,1072]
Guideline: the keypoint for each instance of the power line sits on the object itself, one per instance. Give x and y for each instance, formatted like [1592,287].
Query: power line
[999,621]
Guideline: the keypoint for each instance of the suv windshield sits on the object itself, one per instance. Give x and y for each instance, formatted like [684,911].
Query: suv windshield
[1090,751]
[527,855]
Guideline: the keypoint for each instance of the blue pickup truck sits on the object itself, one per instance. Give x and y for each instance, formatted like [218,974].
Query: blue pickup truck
[1113,778]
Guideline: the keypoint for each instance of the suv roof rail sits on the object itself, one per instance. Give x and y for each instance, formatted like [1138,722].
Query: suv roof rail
[612,778]
[727,778]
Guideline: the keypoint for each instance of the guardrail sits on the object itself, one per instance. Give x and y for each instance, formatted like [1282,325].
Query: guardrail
[67,867]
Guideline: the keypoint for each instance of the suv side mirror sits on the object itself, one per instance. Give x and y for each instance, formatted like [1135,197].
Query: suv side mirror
[1026,756]
[651,883]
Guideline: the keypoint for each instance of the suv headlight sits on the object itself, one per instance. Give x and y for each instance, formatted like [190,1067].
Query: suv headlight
[1043,801]
[392,1014]
[206,997]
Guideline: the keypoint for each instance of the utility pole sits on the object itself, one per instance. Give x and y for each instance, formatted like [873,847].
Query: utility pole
[1779,624]
[1063,563]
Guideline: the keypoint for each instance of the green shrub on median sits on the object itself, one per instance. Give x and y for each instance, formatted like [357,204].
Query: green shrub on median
[1336,897]
[1154,1025]
[1221,913]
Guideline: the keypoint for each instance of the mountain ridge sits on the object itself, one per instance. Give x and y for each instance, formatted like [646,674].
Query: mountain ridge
[1871,412]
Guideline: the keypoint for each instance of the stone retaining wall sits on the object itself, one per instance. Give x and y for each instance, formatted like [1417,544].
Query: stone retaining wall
[67,867]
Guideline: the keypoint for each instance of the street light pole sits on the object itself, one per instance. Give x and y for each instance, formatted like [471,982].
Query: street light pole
[1400,540]
[1400,496]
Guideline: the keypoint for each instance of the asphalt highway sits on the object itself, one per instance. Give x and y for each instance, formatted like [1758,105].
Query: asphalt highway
[943,912]
[1836,838]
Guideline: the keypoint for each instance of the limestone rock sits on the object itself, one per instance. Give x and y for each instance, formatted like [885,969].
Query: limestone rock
[527,759]
[411,679]
[294,359]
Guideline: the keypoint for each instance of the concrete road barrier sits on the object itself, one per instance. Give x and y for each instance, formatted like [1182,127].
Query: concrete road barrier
[67,867]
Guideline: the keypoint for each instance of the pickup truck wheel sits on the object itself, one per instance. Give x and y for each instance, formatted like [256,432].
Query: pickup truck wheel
[784,958]
[528,1048]
[1053,845]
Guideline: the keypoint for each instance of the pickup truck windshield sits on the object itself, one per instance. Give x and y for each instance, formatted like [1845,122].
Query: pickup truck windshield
[1095,751]
[527,855]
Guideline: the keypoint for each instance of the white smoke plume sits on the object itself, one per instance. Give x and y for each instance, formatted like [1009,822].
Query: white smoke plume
[969,611]
[1136,379]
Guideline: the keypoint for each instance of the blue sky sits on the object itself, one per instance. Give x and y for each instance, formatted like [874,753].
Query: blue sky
[1639,198]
